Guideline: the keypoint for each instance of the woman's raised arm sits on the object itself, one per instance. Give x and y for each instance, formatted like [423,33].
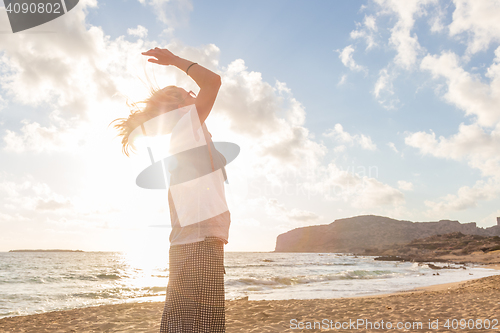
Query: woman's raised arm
[208,81]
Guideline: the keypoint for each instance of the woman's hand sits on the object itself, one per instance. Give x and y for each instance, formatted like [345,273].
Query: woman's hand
[163,56]
[208,81]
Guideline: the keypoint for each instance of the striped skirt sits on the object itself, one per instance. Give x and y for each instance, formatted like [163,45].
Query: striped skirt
[195,291]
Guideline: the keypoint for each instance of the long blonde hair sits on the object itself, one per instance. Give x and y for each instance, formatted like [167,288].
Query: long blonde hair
[160,101]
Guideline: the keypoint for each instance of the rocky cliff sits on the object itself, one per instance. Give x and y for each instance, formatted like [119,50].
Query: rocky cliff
[357,234]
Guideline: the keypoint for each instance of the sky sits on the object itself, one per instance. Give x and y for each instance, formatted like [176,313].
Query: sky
[340,108]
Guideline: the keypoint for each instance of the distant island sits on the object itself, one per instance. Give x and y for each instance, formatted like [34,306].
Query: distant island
[370,233]
[50,250]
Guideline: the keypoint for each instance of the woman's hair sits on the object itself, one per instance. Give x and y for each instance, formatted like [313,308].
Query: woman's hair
[160,101]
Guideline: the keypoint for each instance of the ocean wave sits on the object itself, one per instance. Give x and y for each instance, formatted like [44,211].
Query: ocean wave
[94,276]
[122,293]
[108,276]
[278,281]
[305,264]
[154,290]
[159,275]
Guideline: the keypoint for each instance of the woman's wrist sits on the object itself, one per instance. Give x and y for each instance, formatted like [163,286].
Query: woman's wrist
[181,63]
[176,61]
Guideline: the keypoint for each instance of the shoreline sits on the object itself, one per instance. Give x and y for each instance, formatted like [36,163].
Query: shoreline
[440,301]
[441,286]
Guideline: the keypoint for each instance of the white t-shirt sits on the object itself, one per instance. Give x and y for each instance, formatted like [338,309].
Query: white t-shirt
[196,194]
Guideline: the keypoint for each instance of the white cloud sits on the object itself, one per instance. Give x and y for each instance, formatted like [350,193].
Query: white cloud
[27,196]
[383,84]
[140,31]
[37,138]
[175,13]
[366,31]
[366,143]
[479,21]
[279,212]
[355,186]
[339,149]
[12,217]
[467,91]
[393,147]
[52,204]
[384,90]
[437,18]
[343,80]
[276,117]
[55,67]
[406,44]
[338,134]
[3,103]
[375,193]
[472,143]
[476,143]
[75,74]
[346,58]
[480,148]
[405,186]
[370,23]
[303,216]
[475,20]
[466,197]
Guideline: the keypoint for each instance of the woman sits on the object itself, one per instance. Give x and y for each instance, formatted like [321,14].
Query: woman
[195,291]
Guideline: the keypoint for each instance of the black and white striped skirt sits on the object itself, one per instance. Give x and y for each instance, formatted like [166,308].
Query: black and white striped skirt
[195,291]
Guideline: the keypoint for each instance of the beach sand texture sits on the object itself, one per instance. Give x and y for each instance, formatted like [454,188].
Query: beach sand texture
[474,299]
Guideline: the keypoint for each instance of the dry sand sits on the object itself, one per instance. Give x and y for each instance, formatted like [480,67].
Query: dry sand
[474,299]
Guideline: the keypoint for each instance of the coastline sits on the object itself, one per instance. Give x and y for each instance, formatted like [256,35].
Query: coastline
[435,287]
[471,299]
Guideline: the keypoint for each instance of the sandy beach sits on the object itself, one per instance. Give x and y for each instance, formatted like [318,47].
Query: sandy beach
[435,308]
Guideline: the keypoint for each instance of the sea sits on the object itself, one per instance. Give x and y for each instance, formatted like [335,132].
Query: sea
[36,282]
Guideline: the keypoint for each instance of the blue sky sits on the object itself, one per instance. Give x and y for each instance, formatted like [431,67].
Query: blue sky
[341,108]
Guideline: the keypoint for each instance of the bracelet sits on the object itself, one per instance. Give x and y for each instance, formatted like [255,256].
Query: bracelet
[187,70]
